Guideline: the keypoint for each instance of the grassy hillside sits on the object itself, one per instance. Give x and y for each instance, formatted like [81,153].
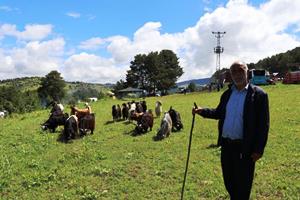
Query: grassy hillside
[112,164]
[75,85]
[33,83]
[26,83]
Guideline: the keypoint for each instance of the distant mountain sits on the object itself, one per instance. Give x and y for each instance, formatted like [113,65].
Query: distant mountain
[109,85]
[202,81]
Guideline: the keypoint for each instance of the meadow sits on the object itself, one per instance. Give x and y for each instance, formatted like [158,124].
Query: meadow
[113,164]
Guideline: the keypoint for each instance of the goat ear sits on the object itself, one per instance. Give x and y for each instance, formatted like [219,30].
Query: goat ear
[170,108]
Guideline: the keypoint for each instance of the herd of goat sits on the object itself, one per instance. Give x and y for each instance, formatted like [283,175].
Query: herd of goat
[77,124]
[81,121]
[138,112]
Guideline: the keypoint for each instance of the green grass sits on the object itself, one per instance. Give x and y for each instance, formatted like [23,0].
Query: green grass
[112,164]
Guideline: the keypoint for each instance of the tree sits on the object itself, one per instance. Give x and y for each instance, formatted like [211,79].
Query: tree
[168,70]
[30,100]
[218,76]
[119,85]
[84,92]
[137,75]
[10,98]
[191,87]
[52,87]
[155,71]
[14,100]
[152,70]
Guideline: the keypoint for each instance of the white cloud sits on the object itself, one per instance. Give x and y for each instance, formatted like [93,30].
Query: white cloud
[146,39]
[6,63]
[281,13]
[6,8]
[31,32]
[207,9]
[297,30]
[206,1]
[91,17]
[73,14]
[91,44]
[120,47]
[35,58]
[91,68]
[236,2]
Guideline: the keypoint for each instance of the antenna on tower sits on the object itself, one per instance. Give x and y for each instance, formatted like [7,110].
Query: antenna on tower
[218,50]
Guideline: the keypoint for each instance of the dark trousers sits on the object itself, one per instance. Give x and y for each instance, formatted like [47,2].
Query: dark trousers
[238,171]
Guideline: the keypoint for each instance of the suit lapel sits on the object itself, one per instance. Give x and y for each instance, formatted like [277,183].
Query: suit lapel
[247,101]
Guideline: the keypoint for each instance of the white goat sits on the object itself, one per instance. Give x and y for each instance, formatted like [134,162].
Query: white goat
[165,126]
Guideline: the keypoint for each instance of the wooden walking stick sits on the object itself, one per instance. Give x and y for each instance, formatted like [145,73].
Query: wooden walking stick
[188,155]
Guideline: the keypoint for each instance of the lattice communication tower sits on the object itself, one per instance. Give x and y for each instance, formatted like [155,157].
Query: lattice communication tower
[218,49]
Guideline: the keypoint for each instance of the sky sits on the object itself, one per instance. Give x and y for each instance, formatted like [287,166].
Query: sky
[95,40]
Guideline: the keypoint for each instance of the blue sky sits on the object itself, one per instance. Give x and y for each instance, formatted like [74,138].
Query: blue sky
[95,40]
[104,18]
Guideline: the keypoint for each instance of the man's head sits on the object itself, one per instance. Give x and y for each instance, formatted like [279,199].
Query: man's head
[238,71]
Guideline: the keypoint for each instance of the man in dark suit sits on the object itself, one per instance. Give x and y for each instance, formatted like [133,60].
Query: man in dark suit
[243,114]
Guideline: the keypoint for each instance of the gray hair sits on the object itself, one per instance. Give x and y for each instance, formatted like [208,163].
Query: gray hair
[241,64]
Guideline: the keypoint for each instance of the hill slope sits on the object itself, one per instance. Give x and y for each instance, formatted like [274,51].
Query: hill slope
[32,83]
[112,164]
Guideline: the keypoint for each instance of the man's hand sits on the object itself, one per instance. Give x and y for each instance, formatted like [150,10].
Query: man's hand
[196,110]
[255,156]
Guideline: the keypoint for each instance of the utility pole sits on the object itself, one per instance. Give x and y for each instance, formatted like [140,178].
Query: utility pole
[218,50]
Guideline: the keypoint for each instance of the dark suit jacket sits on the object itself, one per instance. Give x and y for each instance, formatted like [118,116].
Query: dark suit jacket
[256,119]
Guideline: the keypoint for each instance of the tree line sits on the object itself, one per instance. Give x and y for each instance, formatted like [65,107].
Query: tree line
[14,100]
[280,63]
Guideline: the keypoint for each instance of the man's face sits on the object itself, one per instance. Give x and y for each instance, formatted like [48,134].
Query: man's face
[238,74]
